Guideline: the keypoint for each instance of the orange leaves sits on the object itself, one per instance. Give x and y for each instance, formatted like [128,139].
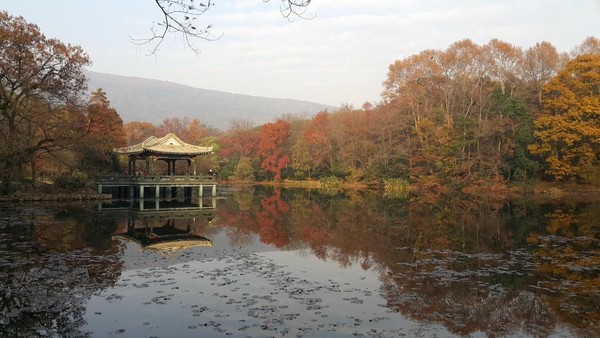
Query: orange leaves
[190,131]
[105,127]
[137,132]
[240,140]
[38,78]
[568,132]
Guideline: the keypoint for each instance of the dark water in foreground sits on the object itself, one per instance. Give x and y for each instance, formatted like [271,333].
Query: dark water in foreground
[293,263]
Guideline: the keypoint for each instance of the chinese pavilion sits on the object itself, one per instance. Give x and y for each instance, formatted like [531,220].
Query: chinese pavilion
[168,148]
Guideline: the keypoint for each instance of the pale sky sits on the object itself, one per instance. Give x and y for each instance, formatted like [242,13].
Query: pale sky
[340,56]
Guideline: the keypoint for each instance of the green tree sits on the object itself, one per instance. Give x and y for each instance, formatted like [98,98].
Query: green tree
[301,159]
[244,171]
[38,78]
[519,163]
[567,134]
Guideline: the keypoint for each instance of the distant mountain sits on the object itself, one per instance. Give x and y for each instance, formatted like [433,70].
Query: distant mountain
[139,99]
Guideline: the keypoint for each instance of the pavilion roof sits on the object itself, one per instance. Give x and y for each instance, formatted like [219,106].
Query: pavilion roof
[166,242]
[168,144]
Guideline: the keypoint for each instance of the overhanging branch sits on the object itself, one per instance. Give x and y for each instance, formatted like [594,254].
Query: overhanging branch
[181,17]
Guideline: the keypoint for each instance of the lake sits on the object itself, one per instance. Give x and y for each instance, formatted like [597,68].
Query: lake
[271,262]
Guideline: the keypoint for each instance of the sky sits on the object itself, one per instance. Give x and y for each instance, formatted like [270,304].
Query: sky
[338,54]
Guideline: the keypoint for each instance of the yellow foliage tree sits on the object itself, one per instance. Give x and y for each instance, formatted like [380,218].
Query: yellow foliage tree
[567,133]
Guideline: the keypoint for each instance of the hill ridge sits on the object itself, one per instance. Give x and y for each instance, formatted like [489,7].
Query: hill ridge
[150,100]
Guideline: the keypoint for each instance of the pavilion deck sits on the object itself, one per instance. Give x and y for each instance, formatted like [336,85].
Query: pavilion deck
[170,180]
[140,183]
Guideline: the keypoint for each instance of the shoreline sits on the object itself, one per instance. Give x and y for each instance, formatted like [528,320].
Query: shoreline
[56,197]
[537,191]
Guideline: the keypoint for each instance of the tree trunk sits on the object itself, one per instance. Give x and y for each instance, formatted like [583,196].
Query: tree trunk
[33,171]
[7,177]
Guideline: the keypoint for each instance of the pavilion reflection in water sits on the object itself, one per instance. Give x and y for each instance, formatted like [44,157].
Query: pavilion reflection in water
[161,225]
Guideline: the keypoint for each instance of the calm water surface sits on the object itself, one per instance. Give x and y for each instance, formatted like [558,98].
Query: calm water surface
[261,262]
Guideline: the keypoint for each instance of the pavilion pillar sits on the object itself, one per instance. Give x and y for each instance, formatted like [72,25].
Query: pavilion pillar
[194,165]
[214,190]
[170,167]
[151,168]
[133,169]
[141,192]
[201,190]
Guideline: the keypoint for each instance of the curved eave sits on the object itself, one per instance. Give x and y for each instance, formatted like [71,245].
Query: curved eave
[204,152]
[165,152]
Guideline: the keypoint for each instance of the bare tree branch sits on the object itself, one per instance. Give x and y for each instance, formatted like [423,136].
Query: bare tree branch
[293,8]
[179,17]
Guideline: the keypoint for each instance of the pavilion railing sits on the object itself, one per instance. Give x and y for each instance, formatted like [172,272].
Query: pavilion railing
[157,179]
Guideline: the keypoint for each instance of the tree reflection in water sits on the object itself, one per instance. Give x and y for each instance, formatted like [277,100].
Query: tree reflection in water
[520,268]
[488,267]
[51,263]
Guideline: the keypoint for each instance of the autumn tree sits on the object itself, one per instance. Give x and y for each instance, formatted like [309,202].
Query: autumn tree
[104,132]
[539,64]
[318,140]
[39,77]
[567,134]
[136,131]
[240,140]
[244,170]
[391,132]
[503,61]
[272,147]
[590,45]
[238,145]
[188,130]
[301,160]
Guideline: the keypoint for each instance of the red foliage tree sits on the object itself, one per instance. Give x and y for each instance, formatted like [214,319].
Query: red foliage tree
[240,140]
[272,142]
[317,138]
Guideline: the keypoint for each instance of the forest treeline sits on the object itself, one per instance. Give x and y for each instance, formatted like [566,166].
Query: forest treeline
[467,116]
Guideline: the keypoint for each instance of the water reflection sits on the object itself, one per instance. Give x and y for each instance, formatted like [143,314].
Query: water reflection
[51,262]
[166,227]
[493,268]
[487,268]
